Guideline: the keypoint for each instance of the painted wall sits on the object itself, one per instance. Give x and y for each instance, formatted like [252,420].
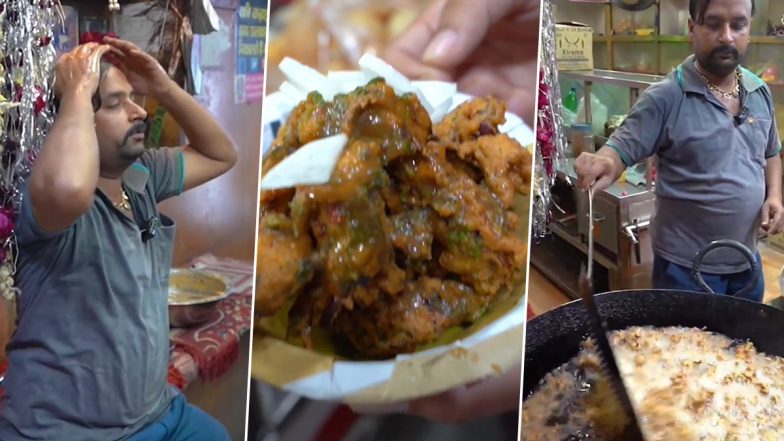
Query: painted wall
[220,217]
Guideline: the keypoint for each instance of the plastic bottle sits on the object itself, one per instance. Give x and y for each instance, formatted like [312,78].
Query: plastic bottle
[570,101]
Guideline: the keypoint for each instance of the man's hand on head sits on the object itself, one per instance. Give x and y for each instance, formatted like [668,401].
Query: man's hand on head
[78,71]
[146,75]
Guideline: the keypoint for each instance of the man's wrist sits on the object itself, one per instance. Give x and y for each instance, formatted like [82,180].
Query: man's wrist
[614,163]
[76,103]
[77,95]
[167,92]
[776,197]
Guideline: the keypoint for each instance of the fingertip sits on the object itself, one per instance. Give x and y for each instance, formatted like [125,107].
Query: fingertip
[413,69]
[429,73]
[441,48]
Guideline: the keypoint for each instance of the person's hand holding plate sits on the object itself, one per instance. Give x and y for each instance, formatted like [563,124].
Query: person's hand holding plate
[486,47]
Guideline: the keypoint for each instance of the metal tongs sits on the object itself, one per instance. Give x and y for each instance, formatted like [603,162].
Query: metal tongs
[598,331]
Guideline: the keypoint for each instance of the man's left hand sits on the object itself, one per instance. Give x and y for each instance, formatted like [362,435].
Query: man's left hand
[143,71]
[773,216]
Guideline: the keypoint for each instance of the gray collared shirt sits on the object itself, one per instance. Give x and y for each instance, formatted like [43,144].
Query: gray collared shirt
[710,181]
[89,358]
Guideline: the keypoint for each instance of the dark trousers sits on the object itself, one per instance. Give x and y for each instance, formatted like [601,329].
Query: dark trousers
[668,275]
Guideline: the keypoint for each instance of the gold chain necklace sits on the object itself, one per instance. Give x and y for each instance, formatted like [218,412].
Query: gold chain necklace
[125,202]
[735,93]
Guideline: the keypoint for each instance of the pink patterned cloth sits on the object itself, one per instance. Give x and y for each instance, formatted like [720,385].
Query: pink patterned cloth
[208,351]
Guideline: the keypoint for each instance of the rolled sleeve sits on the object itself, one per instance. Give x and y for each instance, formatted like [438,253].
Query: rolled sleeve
[774,142]
[638,137]
[774,148]
[167,171]
[26,228]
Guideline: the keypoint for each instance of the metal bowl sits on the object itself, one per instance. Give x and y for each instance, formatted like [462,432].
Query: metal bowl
[193,296]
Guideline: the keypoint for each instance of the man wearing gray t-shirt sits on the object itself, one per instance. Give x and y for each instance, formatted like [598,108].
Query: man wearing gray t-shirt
[88,360]
[711,124]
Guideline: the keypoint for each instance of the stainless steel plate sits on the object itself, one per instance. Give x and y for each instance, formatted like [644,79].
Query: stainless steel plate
[193,287]
[193,296]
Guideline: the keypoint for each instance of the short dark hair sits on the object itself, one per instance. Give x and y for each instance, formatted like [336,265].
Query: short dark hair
[697,9]
[96,98]
[105,66]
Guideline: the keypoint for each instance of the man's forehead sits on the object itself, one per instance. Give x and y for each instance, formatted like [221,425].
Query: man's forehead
[114,82]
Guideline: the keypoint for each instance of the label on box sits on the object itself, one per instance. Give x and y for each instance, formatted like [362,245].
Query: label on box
[574,46]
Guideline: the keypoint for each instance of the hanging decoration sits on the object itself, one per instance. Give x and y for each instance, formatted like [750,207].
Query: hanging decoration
[114,5]
[27,58]
[550,137]
[170,42]
[171,35]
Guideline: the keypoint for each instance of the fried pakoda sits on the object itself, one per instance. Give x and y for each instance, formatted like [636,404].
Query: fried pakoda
[415,233]
[287,263]
[398,324]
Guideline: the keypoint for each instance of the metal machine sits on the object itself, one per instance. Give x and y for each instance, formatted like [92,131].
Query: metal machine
[622,213]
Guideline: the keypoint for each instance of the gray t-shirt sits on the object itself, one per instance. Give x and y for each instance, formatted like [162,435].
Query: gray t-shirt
[89,358]
[710,181]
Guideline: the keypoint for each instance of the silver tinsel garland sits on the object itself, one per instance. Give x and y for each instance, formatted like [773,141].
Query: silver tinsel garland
[548,115]
[27,59]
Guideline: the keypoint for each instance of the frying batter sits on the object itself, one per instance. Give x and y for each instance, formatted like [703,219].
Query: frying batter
[686,384]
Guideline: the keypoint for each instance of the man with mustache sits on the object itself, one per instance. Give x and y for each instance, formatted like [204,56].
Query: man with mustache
[89,359]
[711,124]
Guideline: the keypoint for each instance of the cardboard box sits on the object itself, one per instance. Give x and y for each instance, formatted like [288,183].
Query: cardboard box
[574,46]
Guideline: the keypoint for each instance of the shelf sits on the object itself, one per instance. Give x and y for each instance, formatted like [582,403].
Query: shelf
[560,263]
[633,39]
[603,258]
[767,39]
[755,39]
[674,39]
[557,265]
[631,80]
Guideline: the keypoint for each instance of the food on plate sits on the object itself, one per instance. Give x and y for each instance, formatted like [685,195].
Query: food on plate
[415,233]
[686,384]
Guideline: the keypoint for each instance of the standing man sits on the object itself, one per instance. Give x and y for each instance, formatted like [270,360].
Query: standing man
[90,354]
[712,125]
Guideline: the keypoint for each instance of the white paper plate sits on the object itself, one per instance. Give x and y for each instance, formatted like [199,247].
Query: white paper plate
[278,105]
[349,378]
